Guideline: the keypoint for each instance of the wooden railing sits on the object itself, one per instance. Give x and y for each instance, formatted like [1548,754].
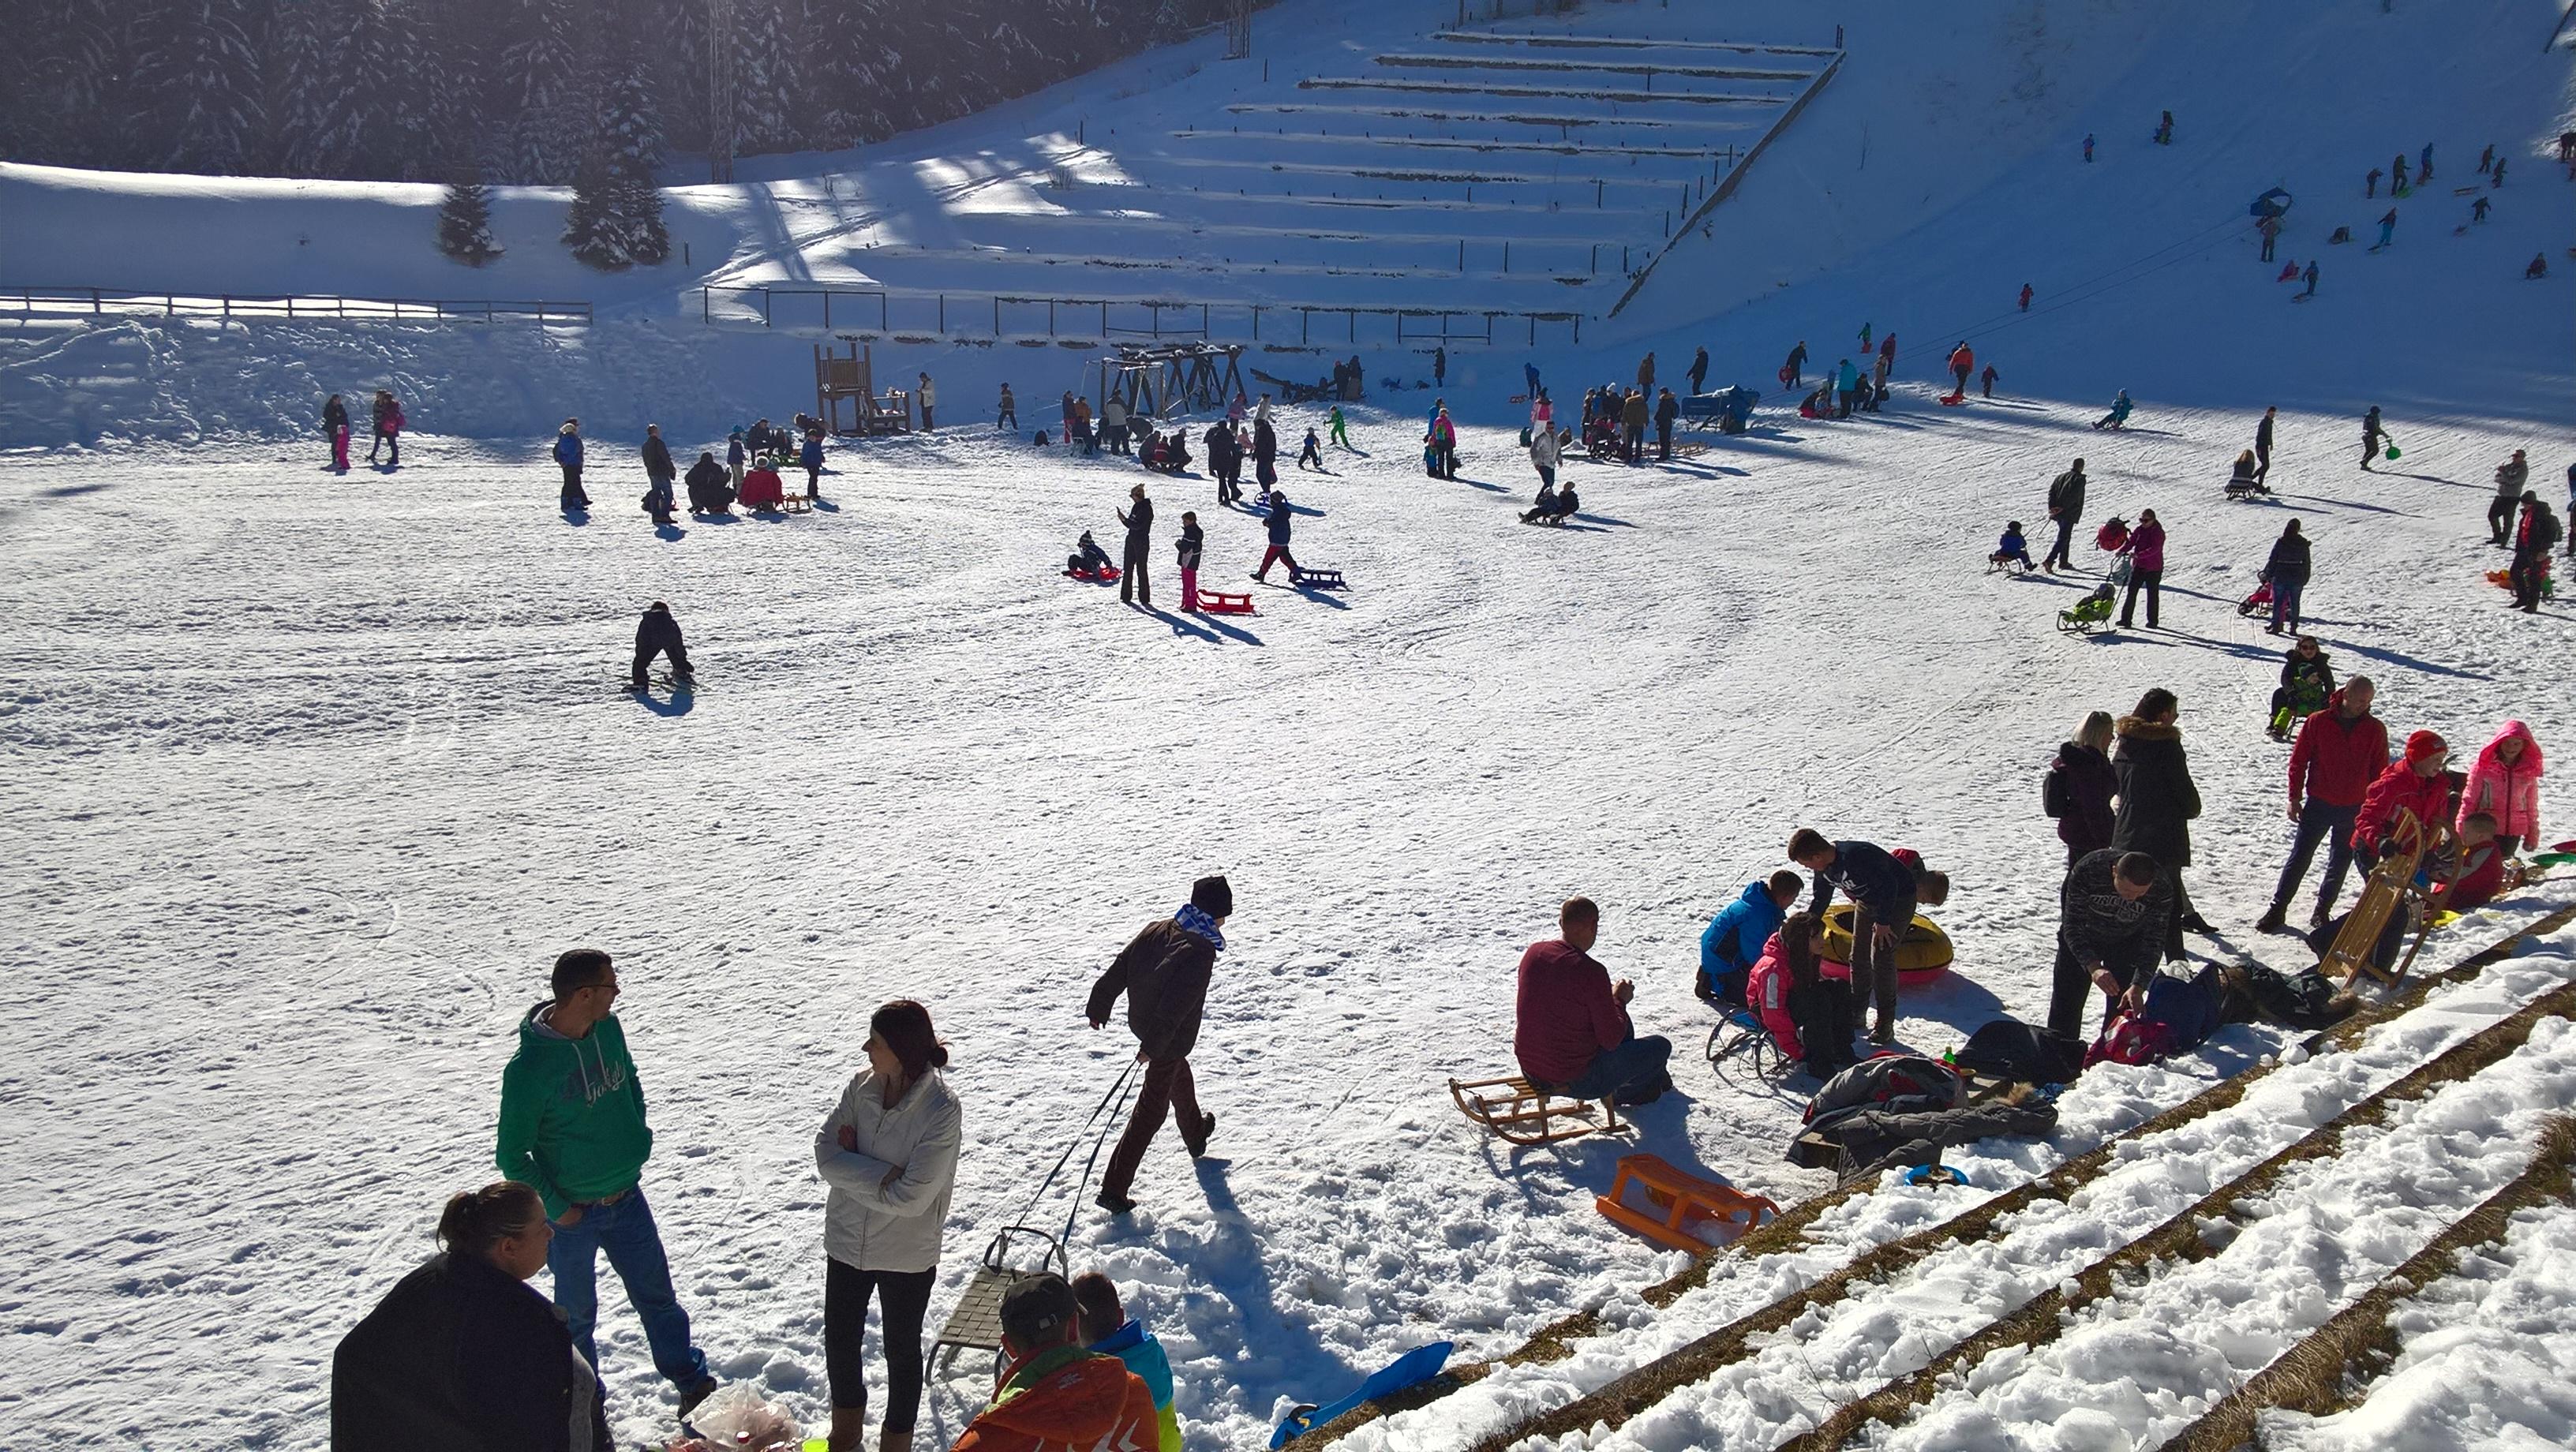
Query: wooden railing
[101,301]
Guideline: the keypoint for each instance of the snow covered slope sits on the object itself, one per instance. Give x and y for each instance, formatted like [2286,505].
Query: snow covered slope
[309,778]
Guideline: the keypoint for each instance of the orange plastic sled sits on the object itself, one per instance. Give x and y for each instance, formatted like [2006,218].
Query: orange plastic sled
[1685,1199]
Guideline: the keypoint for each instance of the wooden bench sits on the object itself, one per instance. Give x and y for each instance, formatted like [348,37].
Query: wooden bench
[976,1323]
[1685,1201]
[1522,1113]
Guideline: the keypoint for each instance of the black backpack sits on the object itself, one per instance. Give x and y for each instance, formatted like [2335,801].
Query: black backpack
[2052,792]
[2011,1049]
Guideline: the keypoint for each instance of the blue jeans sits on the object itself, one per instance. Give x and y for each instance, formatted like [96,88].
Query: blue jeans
[625,1230]
[2285,602]
[1635,1066]
[2319,822]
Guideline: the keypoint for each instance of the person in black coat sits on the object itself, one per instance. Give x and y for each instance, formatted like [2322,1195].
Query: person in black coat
[658,634]
[335,427]
[710,486]
[1883,893]
[2080,789]
[2113,910]
[1698,373]
[2287,569]
[1139,519]
[2066,507]
[1667,409]
[659,469]
[1164,973]
[2158,802]
[1265,453]
[462,1355]
[2263,446]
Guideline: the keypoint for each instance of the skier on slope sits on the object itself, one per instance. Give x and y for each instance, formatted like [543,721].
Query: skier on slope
[2387,229]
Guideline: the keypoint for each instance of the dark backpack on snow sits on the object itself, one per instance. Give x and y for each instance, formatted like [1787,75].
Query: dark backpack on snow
[2020,1052]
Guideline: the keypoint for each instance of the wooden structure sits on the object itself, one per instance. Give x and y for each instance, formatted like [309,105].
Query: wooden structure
[976,1324]
[1158,380]
[1683,1200]
[1523,1113]
[849,378]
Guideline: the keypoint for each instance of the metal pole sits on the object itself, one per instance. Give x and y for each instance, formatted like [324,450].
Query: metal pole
[943,314]
[827,310]
[764,307]
[706,306]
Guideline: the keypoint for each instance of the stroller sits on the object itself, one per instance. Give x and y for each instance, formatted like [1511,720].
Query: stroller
[2258,602]
[1601,437]
[2095,609]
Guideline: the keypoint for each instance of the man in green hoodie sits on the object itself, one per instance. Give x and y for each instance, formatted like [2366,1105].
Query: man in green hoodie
[572,1125]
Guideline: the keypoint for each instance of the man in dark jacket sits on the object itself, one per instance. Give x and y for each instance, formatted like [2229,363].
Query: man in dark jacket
[1796,366]
[2263,446]
[1883,894]
[1632,426]
[2287,570]
[2113,913]
[2066,506]
[1667,409]
[1570,1026]
[1139,519]
[658,634]
[1164,972]
[2533,539]
[1699,371]
[2158,801]
[2340,751]
[658,469]
[710,486]
[1265,451]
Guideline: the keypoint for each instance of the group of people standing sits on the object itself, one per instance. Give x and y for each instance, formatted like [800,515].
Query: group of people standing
[386,425]
[463,1353]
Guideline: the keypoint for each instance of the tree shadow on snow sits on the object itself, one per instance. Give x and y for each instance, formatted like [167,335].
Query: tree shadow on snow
[71,491]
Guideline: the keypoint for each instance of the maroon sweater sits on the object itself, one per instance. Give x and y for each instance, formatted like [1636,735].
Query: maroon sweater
[1566,1013]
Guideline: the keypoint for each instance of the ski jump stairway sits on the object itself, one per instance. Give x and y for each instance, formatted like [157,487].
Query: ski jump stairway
[2090,1287]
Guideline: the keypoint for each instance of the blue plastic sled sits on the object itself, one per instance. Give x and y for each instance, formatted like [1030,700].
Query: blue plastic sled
[1411,1369]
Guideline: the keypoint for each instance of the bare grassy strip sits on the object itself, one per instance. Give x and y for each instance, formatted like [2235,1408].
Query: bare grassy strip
[2355,1347]
[2182,1238]
[1649,1384]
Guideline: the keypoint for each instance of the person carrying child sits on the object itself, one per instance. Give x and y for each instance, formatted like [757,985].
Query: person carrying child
[2012,549]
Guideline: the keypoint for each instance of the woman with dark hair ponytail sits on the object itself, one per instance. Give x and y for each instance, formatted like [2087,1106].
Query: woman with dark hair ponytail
[462,1354]
[888,1151]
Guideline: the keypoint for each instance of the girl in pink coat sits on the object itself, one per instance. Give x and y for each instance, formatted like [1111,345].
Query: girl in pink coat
[2505,784]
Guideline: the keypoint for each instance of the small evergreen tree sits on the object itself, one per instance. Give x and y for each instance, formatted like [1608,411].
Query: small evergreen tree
[590,228]
[465,221]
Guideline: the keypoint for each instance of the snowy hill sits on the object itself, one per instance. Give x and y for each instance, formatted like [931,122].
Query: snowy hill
[311,776]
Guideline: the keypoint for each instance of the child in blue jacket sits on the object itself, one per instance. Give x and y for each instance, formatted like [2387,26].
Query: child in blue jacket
[1733,940]
[1106,1331]
[2011,549]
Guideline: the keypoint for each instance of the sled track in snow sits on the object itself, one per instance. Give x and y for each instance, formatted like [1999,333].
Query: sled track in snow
[2312,1376]
[1650,1384]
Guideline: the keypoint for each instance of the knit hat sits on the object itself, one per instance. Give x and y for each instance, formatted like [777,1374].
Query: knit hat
[2422,744]
[1211,896]
[1034,1307]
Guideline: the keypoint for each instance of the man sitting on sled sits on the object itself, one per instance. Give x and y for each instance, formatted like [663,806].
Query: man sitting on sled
[1572,1033]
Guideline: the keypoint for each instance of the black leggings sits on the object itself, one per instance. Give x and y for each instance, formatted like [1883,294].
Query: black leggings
[903,1298]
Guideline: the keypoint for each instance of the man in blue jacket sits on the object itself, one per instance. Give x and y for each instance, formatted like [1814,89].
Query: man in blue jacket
[1734,938]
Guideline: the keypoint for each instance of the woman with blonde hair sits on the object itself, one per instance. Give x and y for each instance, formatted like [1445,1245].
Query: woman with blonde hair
[2079,788]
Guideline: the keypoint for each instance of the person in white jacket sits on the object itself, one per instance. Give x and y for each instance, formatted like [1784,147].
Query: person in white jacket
[888,1151]
[1543,454]
[928,397]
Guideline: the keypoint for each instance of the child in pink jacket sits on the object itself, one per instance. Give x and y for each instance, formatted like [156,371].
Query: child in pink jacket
[2505,784]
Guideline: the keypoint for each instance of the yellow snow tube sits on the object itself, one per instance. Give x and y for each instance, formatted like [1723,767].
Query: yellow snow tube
[1922,954]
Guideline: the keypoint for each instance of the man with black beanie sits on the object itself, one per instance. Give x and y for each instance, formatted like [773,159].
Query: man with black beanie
[1053,1392]
[1164,972]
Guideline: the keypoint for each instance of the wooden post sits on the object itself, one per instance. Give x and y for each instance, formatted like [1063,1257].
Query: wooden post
[827,310]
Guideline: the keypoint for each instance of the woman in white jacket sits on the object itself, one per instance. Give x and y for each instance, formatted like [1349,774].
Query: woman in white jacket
[889,1153]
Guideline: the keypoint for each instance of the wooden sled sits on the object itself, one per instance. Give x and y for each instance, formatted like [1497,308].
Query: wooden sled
[1686,1200]
[2355,952]
[1317,580]
[1524,1114]
[1218,602]
[976,1324]
[795,504]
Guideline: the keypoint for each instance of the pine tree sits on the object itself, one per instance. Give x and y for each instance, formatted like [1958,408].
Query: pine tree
[396,135]
[590,228]
[465,221]
[854,76]
[765,78]
[681,73]
[300,77]
[196,77]
[630,126]
[64,67]
[1169,24]
[450,87]
[538,90]
[638,205]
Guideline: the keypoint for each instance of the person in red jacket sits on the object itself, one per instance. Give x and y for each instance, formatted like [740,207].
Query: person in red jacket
[2412,796]
[2340,751]
[1571,1030]
[1054,1393]
[2478,868]
[1963,361]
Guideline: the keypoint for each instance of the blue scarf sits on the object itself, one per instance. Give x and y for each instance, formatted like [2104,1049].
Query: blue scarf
[1194,919]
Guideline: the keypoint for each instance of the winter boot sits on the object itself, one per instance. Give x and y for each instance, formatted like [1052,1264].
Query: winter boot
[2271,921]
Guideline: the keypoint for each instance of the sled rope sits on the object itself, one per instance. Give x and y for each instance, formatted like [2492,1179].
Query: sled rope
[1117,1091]
[1097,1141]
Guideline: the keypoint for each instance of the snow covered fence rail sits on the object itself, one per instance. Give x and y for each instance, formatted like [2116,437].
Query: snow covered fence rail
[99,301]
[870,313]
[1649,1384]
[2315,1375]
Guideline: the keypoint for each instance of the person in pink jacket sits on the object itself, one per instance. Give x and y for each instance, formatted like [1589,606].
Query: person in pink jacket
[2505,784]
[2146,552]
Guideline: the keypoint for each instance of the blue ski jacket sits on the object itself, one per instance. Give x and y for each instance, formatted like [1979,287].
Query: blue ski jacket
[1734,938]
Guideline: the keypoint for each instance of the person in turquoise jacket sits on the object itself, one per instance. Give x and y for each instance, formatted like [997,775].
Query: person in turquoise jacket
[572,1126]
[1107,1332]
[1733,940]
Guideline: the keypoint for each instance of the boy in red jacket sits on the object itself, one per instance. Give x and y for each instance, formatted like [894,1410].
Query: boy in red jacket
[2410,798]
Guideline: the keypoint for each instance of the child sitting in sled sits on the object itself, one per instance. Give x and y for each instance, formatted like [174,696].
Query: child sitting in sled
[2012,549]
[1087,556]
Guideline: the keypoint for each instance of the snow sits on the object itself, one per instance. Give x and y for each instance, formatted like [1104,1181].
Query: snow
[309,778]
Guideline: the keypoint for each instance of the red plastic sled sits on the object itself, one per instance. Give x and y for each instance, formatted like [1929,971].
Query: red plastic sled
[1217,602]
[1107,575]
[1953,400]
